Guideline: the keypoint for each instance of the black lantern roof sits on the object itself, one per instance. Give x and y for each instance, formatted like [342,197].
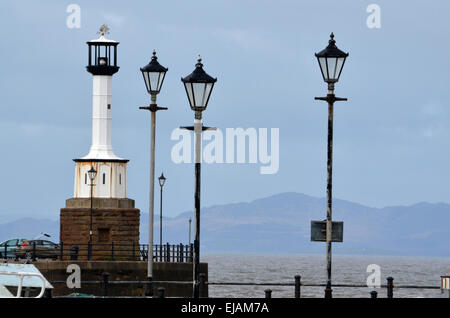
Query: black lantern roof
[198,75]
[331,50]
[154,65]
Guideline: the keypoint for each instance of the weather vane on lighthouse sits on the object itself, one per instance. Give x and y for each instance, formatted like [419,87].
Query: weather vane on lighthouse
[104,29]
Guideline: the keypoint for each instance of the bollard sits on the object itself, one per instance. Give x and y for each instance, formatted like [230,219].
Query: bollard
[328,291]
[297,286]
[203,287]
[161,292]
[373,294]
[105,277]
[5,253]
[149,287]
[74,253]
[268,293]
[390,287]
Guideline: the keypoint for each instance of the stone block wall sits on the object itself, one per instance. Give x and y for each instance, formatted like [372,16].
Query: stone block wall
[113,221]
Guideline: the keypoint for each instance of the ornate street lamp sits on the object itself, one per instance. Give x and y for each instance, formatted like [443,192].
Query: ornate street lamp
[162,180]
[331,61]
[154,75]
[199,86]
[92,173]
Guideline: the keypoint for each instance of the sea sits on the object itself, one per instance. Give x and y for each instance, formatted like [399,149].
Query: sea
[232,268]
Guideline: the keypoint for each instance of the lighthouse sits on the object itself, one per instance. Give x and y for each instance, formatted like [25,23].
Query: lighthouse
[100,211]
[111,170]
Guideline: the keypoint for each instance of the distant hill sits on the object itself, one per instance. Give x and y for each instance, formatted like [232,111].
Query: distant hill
[281,224]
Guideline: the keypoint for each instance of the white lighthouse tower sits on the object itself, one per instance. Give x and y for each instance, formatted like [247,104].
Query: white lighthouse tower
[111,170]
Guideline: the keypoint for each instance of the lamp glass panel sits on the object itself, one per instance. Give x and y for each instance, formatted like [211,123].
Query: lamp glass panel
[146,78]
[208,89]
[154,81]
[332,67]
[190,93]
[161,79]
[323,67]
[339,66]
[199,94]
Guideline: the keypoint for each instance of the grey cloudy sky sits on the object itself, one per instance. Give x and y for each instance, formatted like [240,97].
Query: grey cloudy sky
[391,137]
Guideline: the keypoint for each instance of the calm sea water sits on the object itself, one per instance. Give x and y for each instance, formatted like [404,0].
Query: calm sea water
[346,270]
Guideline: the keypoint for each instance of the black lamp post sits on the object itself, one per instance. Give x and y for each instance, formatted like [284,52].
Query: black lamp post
[92,173]
[154,74]
[162,180]
[331,61]
[190,222]
[199,86]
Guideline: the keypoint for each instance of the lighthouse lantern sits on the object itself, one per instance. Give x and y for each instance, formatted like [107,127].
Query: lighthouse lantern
[102,58]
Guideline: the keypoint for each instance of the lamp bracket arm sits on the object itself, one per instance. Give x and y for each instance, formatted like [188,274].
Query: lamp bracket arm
[331,98]
[203,128]
[153,108]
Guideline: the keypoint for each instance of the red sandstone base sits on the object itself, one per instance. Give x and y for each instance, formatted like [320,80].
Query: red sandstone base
[115,227]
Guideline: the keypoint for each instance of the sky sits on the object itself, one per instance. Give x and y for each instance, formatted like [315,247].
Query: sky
[390,138]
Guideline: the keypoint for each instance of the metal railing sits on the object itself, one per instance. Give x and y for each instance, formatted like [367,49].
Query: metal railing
[297,284]
[108,251]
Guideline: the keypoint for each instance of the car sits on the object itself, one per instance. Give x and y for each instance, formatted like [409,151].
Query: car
[8,248]
[44,249]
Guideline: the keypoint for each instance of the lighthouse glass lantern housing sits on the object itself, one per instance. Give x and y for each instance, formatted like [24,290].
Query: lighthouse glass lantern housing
[102,58]
[199,86]
[331,61]
[154,74]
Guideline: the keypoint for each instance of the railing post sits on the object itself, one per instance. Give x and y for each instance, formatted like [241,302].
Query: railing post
[112,251]
[390,287]
[178,253]
[168,253]
[373,294]
[191,253]
[105,277]
[297,286]
[161,292]
[182,252]
[74,253]
[268,293]
[149,287]
[34,252]
[6,252]
[202,287]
